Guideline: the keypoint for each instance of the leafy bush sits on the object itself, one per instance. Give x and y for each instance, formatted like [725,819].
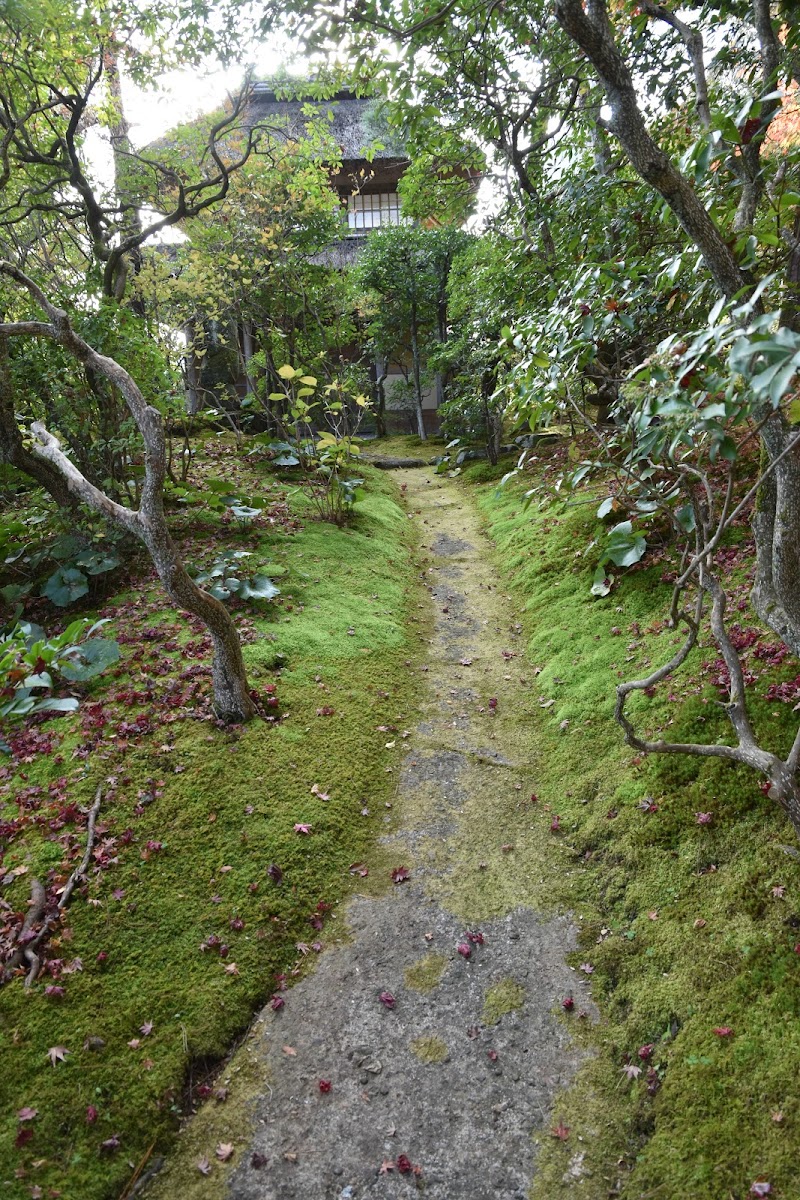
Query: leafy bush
[79,558]
[223,580]
[30,663]
[320,436]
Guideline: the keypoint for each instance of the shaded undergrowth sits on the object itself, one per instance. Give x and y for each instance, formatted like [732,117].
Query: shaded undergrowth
[222,854]
[683,875]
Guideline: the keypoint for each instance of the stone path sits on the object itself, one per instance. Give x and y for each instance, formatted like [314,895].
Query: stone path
[461,1072]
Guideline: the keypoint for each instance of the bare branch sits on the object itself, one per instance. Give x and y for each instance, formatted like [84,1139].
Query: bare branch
[693,41]
[64,899]
[655,677]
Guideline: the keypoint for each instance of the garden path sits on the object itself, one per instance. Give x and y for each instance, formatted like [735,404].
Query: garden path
[458,1077]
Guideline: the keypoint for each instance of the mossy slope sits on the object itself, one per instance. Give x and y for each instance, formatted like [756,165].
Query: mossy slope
[687,929]
[223,806]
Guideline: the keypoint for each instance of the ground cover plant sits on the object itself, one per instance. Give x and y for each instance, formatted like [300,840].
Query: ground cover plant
[219,854]
[683,875]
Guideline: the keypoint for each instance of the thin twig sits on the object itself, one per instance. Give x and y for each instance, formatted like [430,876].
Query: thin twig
[142,1163]
[32,917]
[78,873]
[714,542]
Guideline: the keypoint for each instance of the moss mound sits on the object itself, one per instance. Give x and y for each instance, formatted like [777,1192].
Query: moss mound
[502,998]
[429,1049]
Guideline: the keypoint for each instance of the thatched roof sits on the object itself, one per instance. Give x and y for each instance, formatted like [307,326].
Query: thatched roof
[348,125]
[341,254]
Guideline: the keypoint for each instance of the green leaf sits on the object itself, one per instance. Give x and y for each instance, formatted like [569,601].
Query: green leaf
[96,562]
[53,704]
[66,547]
[65,585]
[624,548]
[286,372]
[219,592]
[97,654]
[43,679]
[13,592]
[243,512]
[602,583]
[685,517]
[260,587]
[728,449]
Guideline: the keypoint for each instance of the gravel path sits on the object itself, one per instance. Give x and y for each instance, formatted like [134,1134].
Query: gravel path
[442,1088]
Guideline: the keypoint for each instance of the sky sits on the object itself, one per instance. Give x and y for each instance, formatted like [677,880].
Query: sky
[188,92]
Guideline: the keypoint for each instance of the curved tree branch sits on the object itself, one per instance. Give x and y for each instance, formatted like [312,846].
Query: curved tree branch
[231,693]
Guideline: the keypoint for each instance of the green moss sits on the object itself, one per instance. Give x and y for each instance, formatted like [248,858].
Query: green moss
[425,974]
[225,809]
[486,472]
[405,446]
[678,921]
[429,1049]
[502,998]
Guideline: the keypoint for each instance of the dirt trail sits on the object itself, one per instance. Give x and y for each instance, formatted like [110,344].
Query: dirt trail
[461,1073]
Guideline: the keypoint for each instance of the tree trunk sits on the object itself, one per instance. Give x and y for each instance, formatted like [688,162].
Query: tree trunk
[116,275]
[192,368]
[776,525]
[492,420]
[415,360]
[589,28]
[232,701]
[248,350]
[776,595]
[380,367]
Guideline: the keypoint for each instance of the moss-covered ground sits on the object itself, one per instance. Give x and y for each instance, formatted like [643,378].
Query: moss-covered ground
[690,924]
[682,876]
[222,854]
[403,445]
